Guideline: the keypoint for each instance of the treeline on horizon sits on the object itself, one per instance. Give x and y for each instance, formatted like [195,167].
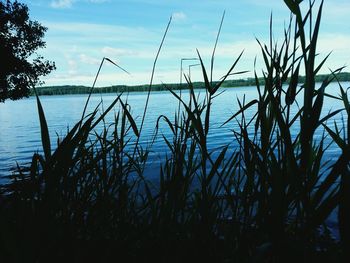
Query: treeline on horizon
[79,89]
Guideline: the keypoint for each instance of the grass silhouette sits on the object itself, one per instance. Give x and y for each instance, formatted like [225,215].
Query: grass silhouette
[265,201]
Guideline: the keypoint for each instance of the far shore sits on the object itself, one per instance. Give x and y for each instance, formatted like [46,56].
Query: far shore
[79,89]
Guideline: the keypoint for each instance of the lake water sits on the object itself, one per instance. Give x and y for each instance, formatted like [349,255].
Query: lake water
[20,129]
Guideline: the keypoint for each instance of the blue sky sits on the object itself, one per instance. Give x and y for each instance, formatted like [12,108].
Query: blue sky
[82,32]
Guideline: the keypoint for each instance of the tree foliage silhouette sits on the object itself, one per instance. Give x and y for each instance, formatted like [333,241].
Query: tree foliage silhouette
[20,64]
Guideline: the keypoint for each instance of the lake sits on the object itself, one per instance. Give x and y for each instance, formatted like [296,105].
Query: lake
[20,129]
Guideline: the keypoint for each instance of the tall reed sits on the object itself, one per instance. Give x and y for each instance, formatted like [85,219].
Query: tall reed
[266,200]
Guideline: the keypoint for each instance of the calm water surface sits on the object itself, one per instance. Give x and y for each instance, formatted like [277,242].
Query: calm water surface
[20,129]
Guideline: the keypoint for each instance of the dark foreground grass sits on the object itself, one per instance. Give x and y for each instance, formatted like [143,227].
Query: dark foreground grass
[265,201]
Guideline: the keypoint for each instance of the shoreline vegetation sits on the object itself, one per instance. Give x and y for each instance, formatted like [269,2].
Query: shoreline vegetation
[265,200]
[78,89]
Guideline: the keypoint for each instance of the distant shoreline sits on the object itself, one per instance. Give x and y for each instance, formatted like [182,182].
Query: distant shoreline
[79,89]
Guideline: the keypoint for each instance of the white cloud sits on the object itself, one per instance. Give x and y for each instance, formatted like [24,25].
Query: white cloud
[98,1]
[118,52]
[337,9]
[104,32]
[89,60]
[134,48]
[104,79]
[334,42]
[72,67]
[179,16]
[62,3]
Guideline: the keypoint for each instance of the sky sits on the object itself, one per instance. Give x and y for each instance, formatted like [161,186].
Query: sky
[81,32]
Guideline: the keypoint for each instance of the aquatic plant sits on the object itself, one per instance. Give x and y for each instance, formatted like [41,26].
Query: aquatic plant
[266,200]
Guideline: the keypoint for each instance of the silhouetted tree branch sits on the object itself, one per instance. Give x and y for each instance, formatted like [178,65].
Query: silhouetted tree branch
[20,38]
